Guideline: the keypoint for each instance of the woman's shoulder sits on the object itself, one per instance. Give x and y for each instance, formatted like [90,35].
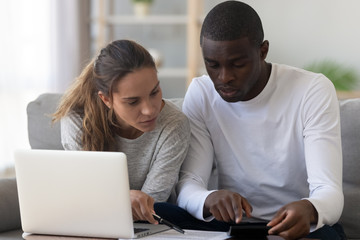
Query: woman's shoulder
[173,122]
[174,104]
[172,114]
[71,121]
[72,116]
[173,107]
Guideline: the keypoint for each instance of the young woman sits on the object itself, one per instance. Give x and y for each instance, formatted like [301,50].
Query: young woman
[116,105]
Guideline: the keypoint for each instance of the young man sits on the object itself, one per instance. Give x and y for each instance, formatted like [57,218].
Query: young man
[272,130]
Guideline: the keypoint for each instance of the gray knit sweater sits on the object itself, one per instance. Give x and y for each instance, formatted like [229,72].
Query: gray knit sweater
[154,158]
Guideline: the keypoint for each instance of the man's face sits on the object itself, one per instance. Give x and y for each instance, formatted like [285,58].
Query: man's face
[235,67]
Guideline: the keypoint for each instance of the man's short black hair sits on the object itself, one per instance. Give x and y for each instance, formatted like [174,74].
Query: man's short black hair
[232,20]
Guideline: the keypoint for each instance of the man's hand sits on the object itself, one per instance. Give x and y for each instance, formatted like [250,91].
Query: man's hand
[293,220]
[142,206]
[226,206]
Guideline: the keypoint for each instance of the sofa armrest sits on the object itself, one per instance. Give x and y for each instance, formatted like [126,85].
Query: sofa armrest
[9,205]
[42,133]
[350,138]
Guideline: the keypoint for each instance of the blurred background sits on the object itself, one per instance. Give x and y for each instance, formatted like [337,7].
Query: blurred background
[45,43]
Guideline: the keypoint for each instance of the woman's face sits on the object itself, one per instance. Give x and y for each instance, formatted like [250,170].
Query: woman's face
[137,100]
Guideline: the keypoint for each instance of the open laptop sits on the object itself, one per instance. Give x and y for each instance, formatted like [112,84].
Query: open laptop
[76,193]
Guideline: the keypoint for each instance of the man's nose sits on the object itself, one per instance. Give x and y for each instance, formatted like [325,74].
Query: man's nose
[226,75]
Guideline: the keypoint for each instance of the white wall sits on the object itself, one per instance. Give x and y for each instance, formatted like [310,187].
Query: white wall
[304,31]
[299,31]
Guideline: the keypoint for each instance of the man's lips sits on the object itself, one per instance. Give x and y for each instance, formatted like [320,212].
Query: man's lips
[227,92]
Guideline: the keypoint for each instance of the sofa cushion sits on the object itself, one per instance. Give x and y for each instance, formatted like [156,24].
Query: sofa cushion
[9,205]
[350,137]
[42,133]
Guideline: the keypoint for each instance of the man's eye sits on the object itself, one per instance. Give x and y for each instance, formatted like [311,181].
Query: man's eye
[238,64]
[212,65]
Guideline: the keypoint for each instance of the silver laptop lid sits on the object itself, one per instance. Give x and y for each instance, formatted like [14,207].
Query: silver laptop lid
[74,193]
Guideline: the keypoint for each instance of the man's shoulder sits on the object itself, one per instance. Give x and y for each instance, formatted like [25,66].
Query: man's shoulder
[200,89]
[283,69]
[303,86]
[290,76]
[203,81]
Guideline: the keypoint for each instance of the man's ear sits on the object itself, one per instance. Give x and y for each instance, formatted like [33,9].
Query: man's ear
[264,49]
[105,99]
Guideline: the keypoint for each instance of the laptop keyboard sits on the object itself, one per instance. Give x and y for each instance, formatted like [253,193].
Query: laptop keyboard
[137,230]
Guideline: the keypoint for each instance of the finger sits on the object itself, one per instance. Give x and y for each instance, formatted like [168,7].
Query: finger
[147,209]
[137,207]
[216,213]
[230,206]
[135,204]
[231,211]
[227,213]
[284,226]
[135,216]
[275,224]
[294,227]
[136,213]
[237,208]
[149,213]
[220,213]
[294,232]
[278,228]
[278,218]
[247,207]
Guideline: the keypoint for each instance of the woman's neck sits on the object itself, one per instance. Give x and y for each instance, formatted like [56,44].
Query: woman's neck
[130,133]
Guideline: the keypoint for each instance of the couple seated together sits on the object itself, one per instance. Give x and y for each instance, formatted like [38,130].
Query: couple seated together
[271,130]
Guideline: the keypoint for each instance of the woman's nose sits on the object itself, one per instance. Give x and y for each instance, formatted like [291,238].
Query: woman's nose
[147,108]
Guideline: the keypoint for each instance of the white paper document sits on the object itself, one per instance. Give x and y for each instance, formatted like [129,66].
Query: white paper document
[189,234]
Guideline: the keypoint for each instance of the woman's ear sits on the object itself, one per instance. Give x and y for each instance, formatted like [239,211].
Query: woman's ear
[105,99]
[264,49]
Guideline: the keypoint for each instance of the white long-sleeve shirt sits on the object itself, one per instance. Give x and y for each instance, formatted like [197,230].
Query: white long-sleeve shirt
[281,146]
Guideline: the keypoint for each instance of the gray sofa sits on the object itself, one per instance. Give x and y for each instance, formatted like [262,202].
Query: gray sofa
[43,135]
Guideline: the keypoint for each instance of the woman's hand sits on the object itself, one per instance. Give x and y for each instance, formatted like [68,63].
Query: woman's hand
[142,206]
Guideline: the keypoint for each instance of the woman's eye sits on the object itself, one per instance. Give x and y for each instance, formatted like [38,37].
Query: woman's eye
[133,102]
[154,92]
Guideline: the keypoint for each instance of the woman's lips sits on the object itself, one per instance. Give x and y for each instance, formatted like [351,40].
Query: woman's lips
[151,121]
